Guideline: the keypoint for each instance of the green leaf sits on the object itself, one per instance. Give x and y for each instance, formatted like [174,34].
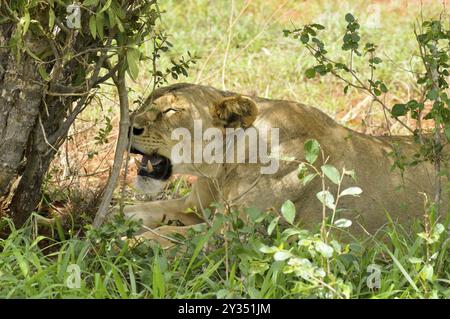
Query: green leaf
[33,55]
[343,223]
[255,214]
[326,198]
[289,232]
[302,170]
[308,178]
[376,60]
[272,225]
[447,133]
[93,26]
[23,264]
[403,271]
[310,73]
[100,21]
[310,31]
[288,211]
[312,148]
[258,267]
[43,73]
[282,255]
[433,94]
[438,229]
[340,66]
[324,249]
[415,260]
[106,6]
[332,173]
[352,191]
[25,20]
[321,69]
[51,18]
[317,26]
[304,38]
[120,25]
[427,272]
[133,56]
[349,18]
[119,283]
[356,38]
[268,250]
[112,18]
[399,110]
[90,2]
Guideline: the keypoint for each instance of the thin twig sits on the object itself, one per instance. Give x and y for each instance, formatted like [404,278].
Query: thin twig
[45,135]
[121,146]
[153,231]
[361,86]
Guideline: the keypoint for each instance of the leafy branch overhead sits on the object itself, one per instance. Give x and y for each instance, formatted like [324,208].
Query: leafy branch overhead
[88,38]
[433,43]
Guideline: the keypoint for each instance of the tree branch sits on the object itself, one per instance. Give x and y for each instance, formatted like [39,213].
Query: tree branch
[121,146]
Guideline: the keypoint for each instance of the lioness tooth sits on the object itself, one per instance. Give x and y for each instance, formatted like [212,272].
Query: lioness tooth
[149,166]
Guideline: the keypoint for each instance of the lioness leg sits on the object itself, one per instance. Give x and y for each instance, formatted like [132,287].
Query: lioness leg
[164,235]
[154,214]
[157,213]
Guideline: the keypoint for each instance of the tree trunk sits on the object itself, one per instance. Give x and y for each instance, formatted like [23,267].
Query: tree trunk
[25,113]
[19,107]
[48,70]
[38,157]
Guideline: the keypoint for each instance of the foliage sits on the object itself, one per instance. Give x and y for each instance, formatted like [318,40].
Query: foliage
[433,40]
[86,44]
[240,254]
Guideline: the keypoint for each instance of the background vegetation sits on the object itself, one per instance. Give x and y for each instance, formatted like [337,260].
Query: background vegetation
[241,48]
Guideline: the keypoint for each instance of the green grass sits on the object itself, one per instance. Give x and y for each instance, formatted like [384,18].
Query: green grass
[42,267]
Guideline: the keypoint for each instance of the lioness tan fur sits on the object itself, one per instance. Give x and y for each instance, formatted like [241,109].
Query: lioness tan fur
[242,185]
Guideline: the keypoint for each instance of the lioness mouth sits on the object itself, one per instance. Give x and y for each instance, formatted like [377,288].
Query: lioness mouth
[161,167]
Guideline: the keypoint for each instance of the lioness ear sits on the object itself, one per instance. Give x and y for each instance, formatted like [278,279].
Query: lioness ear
[235,111]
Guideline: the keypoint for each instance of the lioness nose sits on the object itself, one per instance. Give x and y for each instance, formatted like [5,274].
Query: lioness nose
[137,131]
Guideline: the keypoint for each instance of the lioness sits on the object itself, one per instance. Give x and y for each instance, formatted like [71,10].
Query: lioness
[243,185]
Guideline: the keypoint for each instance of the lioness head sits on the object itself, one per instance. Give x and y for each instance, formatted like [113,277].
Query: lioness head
[179,107]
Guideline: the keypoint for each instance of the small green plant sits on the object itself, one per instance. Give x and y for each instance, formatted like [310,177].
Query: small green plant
[266,259]
[433,39]
[313,259]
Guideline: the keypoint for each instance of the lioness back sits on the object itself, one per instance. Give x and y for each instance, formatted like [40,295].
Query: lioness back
[385,191]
